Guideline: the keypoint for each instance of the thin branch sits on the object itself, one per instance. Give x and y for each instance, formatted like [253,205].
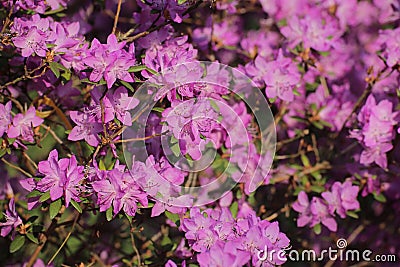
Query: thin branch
[136,139]
[52,133]
[43,240]
[30,159]
[27,75]
[8,18]
[17,168]
[117,16]
[134,245]
[65,240]
[152,29]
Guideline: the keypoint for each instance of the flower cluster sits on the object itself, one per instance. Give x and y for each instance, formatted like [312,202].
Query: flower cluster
[340,199]
[222,239]
[110,61]
[21,125]
[377,123]
[197,133]
[101,110]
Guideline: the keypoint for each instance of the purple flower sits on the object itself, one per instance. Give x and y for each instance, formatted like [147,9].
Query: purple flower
[389,40]
[5,117]
[116,103]
[314,31]
[61,177]
[117,68]
[320,213]
[302,206]
[313,213]
[106,190]
[172,8]
[71,184]
[170,263]
[376,154]
[12,219]
[188,121]
[87,128]
[31,35]
[22,125]
[33,42]
[280,76]
[118,189]
[110,61]
[55,4]
[129,194]
[122,103]
[343,197]
[377,123]
[220,254]
[170,54]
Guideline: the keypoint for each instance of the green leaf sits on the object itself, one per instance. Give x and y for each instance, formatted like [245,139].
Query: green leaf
[352,214]
[158,109]
[17,243]
[55,208]
[34,193]
[172,216]
[102,166]
[166,241]
[317,229]
[109,214]
[317,188]
[66,75]
[298,190]
[317,175]
[176,149]
[54,68]
[52,12]
[318,125]
[324,53]
[2,152]
[297,118]
[32,238]
[45,197]
[327,124]
[173,140]
[137,68]
[101,82]
[76,205]
[379,197]
[127,262]
[282,22]
[234,208]
[305,160]
[152,71]
[130,218]
[127,85]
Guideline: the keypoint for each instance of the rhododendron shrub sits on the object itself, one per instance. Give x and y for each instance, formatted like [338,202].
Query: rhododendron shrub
[197,133]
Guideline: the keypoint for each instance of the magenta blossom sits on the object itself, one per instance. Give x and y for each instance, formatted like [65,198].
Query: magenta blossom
[87,128]
[12,219]
[61,177]
[5,117]
[343,197]
[23,124]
